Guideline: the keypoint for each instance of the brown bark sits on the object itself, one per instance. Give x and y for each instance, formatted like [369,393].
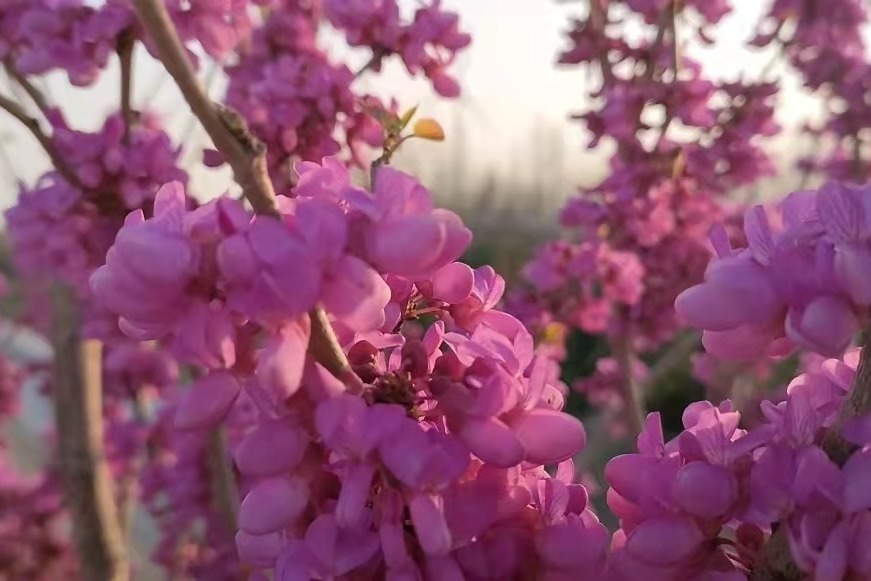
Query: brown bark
[82,462]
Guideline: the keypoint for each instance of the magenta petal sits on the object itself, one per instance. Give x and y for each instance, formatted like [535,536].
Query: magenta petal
[705,490]
[737,291]
[646,544]
[259,550]
[744,343]
[281,364]
[356,294]
[159,258]
[207,401]
[356,485]
[407,246]
[695,306]
[273,505]
[549,436]
[857,482]
[840,210]
[493,442]
[827,325]
[629,474]
[444,569]
[457,236]
[453,283]
[832,562]
[271,448]
[852,265]
[758,232]
[428,517]
[170,198]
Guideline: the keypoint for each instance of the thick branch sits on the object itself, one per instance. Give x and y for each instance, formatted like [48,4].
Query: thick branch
[245,154]
[79,418]
[44,140]
[226,128]
[775,562]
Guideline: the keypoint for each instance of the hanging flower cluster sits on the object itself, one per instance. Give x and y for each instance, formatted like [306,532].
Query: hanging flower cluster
[435,419]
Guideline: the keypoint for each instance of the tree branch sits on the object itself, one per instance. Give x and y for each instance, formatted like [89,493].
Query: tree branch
[677,353]
[224,492]
[126,43]
[44,140]
[79,419]
[775,562]
[633,394]
[35,94]
[244,153]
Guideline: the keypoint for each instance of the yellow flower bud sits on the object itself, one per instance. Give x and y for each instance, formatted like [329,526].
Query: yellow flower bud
[429,129]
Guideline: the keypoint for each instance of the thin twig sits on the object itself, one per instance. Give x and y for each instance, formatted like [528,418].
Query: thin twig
[377,57]
[599,20]
[79,419]
[129,486]
[677,354]
[44,140]
[35,94]
[225,492]
[126,44]
[633,395]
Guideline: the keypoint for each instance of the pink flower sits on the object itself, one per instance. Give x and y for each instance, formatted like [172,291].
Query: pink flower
[406,236]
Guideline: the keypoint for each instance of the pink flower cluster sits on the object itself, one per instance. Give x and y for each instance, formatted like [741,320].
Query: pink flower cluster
[40,36]
[220,26]
[61,231]
[716,490]
[448,424]
[294,99]
[429,43]
[802,280]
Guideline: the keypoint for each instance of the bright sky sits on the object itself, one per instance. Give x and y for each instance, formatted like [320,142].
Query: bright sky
[510,125]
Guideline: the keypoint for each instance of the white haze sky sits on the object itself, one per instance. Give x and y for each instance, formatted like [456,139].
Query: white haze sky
[509,126]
